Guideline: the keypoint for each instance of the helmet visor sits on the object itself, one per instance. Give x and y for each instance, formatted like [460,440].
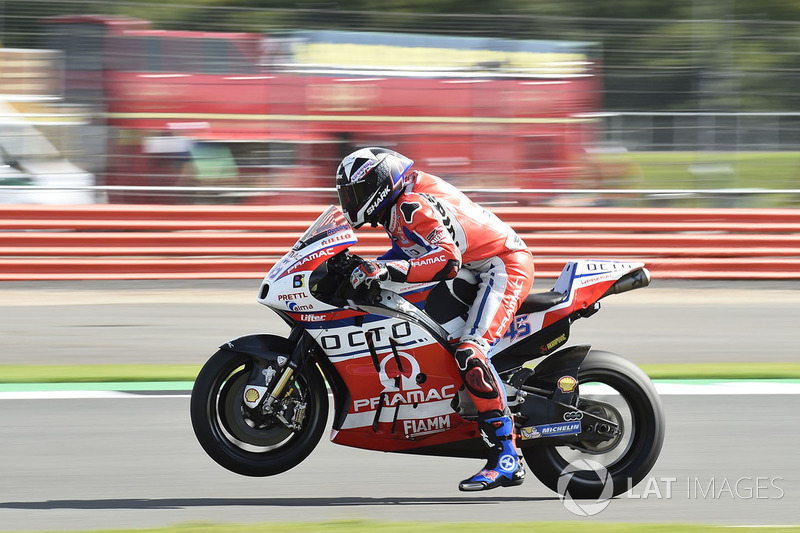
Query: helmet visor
[352,197]
[365,199]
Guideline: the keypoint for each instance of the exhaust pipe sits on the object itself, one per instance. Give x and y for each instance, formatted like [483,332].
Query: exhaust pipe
[632,280]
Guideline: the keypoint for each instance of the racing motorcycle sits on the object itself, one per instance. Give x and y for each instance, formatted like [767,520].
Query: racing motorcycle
[259,405]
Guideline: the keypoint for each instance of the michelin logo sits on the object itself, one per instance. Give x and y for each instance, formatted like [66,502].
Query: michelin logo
[550,430]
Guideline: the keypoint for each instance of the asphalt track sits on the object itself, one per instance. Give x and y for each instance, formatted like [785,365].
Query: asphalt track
[133,462]
[184,321]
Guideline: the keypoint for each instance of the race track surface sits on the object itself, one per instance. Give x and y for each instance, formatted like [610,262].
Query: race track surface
[119,463]
[134,462]
[184,322]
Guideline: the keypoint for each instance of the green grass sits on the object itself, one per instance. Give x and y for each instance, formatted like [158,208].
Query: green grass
[96,373]
[132,373]
[707,170]
[364,526]
[723,371]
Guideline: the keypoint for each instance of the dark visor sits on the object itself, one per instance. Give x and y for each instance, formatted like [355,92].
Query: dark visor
[352,196]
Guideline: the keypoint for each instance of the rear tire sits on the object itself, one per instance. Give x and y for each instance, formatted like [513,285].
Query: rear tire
[241,440]
[629,459]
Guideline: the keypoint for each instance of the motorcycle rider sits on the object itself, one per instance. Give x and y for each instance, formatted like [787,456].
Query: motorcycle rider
[436,230]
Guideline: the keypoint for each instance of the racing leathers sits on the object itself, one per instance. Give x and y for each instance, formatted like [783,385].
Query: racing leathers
[435,231]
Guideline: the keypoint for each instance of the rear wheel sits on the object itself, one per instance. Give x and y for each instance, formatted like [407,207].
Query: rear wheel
[616,389]
[245,440]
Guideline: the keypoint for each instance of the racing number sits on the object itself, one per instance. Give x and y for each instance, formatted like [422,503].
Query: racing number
[518,329]
[444,216]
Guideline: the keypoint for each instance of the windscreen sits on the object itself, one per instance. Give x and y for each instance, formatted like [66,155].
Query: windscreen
[329,223]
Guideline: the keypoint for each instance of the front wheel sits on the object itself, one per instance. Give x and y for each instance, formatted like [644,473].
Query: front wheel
[245,440]
[616,389]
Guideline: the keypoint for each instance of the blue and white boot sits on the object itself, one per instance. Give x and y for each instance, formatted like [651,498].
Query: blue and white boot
[504,468]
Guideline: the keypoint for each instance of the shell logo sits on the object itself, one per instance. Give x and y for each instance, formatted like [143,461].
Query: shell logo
[251,395]
[567,383]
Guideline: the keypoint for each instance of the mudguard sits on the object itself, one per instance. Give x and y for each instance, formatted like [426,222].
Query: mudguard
[559,372]
[557,412]
[261,345]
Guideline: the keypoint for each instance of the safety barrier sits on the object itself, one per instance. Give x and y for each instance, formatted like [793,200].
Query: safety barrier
[159,241]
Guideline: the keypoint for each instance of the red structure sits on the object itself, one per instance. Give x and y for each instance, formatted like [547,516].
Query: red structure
[492,113]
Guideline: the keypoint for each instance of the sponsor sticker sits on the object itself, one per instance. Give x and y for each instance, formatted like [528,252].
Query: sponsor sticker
[251,395]
[567,383]
[298,281]
[431,260]
[550,430]
[362,171]
[291,296]
[425,426]
[337,229]
[491,475]
[338,238]
[555,342]
[311,257]
[312,318]
[378,199]
[437,235]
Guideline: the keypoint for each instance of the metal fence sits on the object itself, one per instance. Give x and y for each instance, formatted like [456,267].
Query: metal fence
[701,111]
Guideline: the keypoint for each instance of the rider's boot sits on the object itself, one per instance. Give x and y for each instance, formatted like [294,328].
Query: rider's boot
[503,468]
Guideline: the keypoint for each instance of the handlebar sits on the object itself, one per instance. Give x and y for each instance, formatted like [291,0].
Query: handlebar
[339,291]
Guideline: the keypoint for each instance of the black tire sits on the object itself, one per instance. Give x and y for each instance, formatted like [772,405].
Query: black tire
[645,436]
[233,440]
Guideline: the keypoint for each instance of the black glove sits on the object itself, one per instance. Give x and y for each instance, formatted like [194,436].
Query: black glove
[367,273]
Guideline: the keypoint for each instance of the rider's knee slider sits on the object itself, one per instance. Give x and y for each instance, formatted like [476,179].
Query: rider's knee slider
[476,375]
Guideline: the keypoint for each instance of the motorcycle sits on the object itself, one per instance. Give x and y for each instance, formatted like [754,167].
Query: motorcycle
[259,405]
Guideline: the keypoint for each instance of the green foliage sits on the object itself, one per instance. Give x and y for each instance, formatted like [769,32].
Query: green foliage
[686,55]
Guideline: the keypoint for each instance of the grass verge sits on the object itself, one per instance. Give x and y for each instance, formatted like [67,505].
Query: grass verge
[723,371]
[707,170]
[96,373]
[132,373]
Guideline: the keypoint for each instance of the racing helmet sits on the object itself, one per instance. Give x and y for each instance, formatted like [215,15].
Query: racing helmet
[368,181]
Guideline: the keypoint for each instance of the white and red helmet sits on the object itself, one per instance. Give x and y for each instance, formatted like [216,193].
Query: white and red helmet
[368,181]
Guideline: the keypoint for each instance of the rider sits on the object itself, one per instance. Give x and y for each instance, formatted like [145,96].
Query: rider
[436,230]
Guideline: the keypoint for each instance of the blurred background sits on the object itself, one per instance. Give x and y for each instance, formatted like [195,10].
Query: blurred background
[537,102]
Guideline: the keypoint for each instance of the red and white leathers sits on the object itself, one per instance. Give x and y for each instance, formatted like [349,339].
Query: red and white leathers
[440,230]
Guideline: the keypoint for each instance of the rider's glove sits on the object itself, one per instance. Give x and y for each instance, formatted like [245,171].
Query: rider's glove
[368,273]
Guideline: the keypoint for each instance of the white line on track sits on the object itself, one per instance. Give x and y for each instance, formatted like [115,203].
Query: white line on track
[81,394]
[728,388]
[715,388]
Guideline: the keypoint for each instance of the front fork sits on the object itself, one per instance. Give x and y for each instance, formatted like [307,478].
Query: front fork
[274,399]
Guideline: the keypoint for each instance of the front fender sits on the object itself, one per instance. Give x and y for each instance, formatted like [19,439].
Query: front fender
[261,345]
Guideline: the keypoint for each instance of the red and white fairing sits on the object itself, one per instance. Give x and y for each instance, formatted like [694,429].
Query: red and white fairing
[401,380]
[285,288]
[583,282]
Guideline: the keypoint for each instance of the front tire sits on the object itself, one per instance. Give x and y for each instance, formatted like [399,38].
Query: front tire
[627,395]
[240,439]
